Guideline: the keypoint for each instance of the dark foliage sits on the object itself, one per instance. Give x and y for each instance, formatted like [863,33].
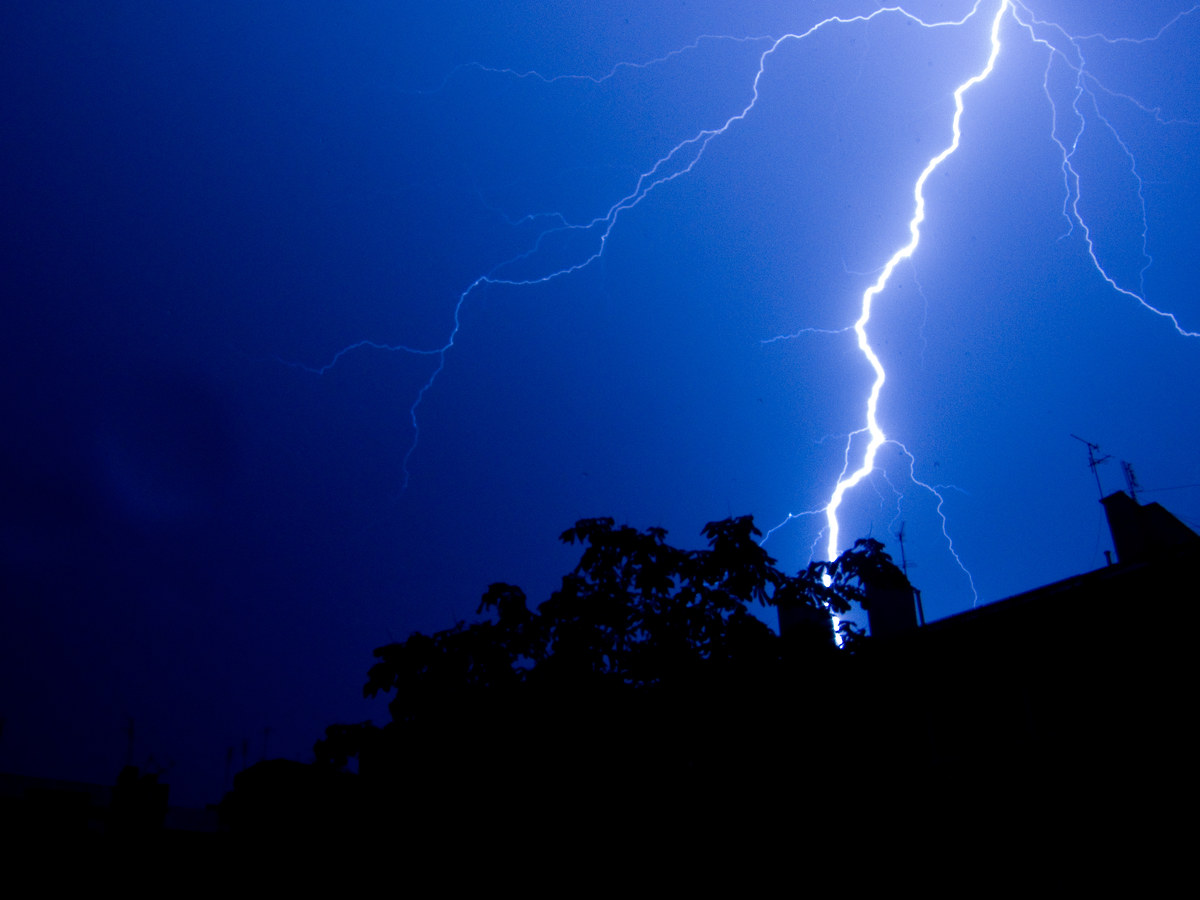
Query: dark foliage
[644,676]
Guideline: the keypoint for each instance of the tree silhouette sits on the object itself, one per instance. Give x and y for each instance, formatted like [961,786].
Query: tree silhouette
[644,676]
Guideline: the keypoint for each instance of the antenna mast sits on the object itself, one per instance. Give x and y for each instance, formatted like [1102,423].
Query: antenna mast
[1130,480]
[1094,461]
[903,556]
[904,566]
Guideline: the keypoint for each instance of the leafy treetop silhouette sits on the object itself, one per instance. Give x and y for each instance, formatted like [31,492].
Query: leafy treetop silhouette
[635,615]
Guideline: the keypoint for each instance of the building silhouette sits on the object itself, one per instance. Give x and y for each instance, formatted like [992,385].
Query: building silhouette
[1058,707]
[1070,698]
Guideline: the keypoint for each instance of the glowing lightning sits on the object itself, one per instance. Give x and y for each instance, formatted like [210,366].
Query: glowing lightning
[534,265]
[1071,211]
[878,438]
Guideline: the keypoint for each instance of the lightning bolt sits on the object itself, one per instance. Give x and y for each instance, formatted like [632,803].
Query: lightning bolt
[877,437]
[539,264]
[1084,83]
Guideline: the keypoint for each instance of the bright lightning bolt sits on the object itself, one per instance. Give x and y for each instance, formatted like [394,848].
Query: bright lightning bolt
[1071,211]
[537,264]
[846,482]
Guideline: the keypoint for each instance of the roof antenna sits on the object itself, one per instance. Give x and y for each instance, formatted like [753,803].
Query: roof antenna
[904,567]
[1093,461]
[1131,480]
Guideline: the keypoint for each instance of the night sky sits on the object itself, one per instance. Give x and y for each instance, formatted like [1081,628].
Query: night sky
[207,527]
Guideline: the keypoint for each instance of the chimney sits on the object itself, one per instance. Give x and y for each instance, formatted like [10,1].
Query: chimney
[1141,533]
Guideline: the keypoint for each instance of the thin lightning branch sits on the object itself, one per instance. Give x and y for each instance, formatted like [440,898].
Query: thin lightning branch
[925,310]
[804,331]
[612,73]
[899,497]
[1155,111]
[1068,148]
[1097,36]
[678,161]
[819,511]
[936,490]
[358,345]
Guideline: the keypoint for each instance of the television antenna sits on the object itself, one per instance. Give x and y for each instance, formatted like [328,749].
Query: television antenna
[1094,461]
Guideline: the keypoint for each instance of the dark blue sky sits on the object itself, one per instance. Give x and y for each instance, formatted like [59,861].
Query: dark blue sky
[206,203]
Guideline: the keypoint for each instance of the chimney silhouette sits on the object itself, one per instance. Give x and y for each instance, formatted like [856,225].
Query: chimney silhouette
[891,602]
[1143,533]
